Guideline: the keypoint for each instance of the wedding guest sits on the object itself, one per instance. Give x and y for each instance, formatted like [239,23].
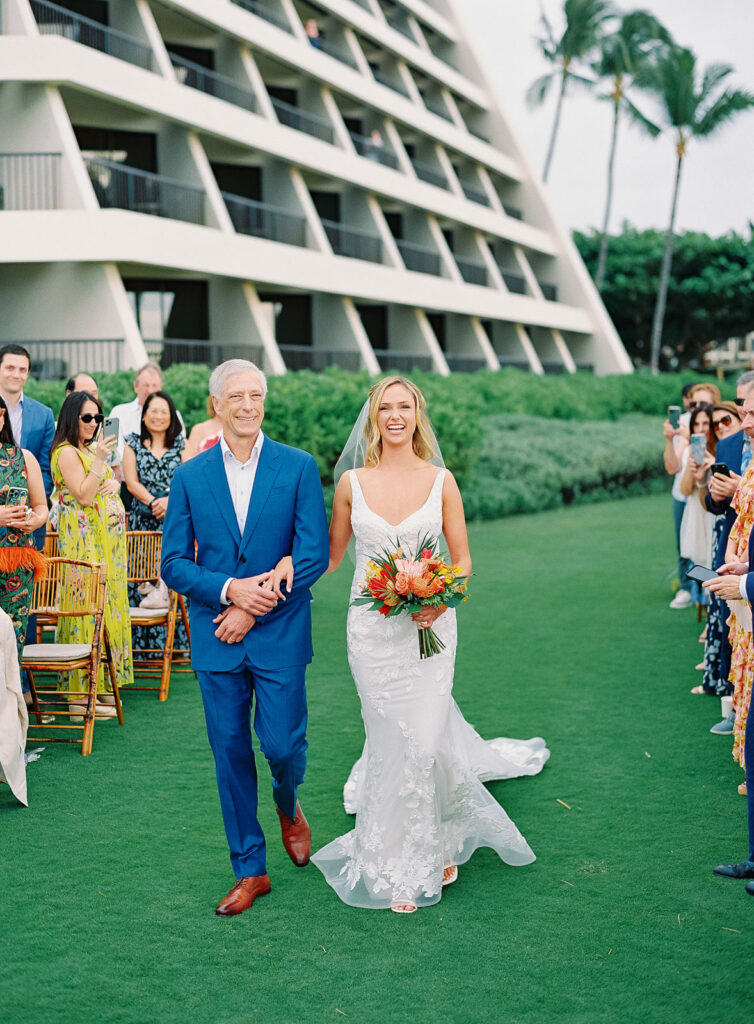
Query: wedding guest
[20,562]
[697,522]
[150,460]
[82,382]
[726,422]
[14,718]
[203,435]
[92,527]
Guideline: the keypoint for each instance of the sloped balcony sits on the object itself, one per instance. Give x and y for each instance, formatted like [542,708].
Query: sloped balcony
[54,20]
[126,188]
[197,77]
[264,221]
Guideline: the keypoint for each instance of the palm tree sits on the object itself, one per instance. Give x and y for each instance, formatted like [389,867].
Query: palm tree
[585,20]
[623,52]
[690,108]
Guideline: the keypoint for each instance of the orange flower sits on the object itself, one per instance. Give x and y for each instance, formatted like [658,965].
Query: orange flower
[402,584]
[421,586]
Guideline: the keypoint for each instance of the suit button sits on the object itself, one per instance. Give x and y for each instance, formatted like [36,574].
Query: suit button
[242,559]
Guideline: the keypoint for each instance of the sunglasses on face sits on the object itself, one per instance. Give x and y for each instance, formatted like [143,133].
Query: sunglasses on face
[89,416]
[724,421]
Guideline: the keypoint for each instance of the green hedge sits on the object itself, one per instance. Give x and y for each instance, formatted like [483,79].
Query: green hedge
[515,441]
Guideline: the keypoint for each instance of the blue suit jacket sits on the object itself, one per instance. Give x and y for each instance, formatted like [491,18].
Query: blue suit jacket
[37,432]
[286,516]
[729,451]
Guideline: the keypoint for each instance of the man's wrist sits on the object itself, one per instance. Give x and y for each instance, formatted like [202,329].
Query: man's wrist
[224,599]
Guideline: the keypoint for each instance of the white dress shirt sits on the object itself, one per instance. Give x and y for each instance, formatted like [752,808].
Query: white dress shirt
[240,477]
[15,415]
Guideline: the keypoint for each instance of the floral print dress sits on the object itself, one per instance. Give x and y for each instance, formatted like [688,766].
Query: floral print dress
[157,476]
[20,562]
[742,658]
[96,533]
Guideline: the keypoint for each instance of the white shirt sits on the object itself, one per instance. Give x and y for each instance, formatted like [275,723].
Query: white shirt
[240,477]
[15,415]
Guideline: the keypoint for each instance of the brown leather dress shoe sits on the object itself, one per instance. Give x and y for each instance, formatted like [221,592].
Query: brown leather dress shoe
[297,836]
[243,894]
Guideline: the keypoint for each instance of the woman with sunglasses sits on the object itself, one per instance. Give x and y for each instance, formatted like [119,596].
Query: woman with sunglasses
[92,527]
[23,509]
[726,421]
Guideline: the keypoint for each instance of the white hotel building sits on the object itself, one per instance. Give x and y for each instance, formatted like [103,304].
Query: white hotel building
[303,183]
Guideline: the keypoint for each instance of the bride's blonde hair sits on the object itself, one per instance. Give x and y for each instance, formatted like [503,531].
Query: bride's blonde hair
[422,444]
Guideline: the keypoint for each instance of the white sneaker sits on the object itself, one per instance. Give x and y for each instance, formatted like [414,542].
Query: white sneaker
[682,600]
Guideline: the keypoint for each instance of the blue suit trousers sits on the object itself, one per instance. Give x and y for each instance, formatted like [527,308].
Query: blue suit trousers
[280,714]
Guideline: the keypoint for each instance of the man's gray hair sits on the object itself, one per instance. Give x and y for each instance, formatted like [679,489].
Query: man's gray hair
[151,365]
[746,379]
[221,373]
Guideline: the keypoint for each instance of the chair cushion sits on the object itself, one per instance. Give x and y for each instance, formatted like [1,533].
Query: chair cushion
[56,652]
[148,613]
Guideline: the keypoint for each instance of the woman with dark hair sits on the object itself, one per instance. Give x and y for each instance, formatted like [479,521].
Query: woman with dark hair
[697,522]
[150,460]
[23,509]
[92,527]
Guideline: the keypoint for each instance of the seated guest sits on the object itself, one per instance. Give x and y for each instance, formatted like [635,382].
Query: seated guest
[203,435]
[14,719]
[23,509]
[150,460]
[92,527]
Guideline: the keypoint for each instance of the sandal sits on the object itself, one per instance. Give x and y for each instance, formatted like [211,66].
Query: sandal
[448,879]
[700,689]
[742,789]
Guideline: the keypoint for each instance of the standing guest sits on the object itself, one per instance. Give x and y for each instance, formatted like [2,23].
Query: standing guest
[735,452]
[697,522]
[235,513]
[32,423]
[203,435]
[20,562]
[150,460]
[676,440]
[92,527]
[82,382]
[14,719]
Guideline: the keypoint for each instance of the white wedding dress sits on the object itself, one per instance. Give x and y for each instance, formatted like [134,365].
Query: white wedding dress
[417,788]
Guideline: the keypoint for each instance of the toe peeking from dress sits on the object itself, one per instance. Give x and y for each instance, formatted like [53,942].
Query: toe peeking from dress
[450,874]
[403,908]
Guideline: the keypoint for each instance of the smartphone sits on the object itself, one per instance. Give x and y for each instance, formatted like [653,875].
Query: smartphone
[698,447]
[16,496]
[721,468]
[111,427]
[701,574]
[674,415]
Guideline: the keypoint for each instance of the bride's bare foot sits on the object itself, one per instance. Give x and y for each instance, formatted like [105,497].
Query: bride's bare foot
[450,874]
[402,908]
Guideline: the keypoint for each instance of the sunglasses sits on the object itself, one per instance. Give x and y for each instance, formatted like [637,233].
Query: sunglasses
[89,416]
[724,421]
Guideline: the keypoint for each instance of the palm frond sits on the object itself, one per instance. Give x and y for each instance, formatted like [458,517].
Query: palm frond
[713,76]
[723,110]
[640,120]
[537,92]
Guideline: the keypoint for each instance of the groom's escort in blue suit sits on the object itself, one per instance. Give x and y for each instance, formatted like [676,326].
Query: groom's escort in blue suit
[242,531]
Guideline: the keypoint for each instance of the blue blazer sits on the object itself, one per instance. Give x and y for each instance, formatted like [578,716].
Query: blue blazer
[37,432]
[729,451]
[286,516]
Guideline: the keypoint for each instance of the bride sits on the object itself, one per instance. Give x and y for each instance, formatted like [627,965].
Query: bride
[416,791]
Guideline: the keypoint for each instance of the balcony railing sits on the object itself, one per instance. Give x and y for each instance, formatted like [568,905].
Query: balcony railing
[303,121]
[476,195]
[366,147]
[126,188]
[210,353]
[197,77]
[429,174]
[513,211]
[348,241]
[253,218]
[57,360]
[391,83]
[418,258]
[29,181]
[471,272]
[404,362]
[549,291]
[515,364]
[59,21]
[264,10]
[309,357]
[334,50]
[514,282]
[465,364]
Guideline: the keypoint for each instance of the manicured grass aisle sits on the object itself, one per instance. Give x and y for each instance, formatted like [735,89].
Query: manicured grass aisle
[110,878]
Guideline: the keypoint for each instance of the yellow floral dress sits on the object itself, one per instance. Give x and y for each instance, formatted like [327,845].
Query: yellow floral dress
[96,533]
[742,658]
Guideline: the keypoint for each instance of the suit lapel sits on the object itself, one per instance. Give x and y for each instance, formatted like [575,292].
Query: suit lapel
[217,486]
[267,471]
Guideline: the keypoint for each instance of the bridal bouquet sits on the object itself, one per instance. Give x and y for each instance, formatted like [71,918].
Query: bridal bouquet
[398,583]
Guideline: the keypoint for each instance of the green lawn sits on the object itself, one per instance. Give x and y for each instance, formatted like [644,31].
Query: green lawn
[110,877]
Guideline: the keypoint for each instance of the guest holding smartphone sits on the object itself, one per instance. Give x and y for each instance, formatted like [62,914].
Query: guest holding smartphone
[92,527]
[23,509]
[697,522]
